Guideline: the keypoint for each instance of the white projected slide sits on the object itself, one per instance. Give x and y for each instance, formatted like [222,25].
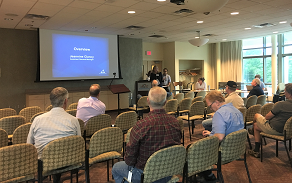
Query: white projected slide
[74,56]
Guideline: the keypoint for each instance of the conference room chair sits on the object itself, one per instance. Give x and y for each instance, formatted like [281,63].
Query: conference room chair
[196,112]
[167,162]
[127,139]
[10,123]
[201,156]
[18,163]
[243,111]
[170,97]
[82,127]
[252,100]
[266,109]
[250,112]
[244,100]
[96,123]
[287,136]
[171,107]
[72,112]
[208,112]
[20,134]
[3,138]
[142,105]
[34,116]
[62,155]
[181,124]
[72,106]
[200,98]
[104,145]
[201,94]
[261,100]
[179,97]
[190,94]
[28,112]
[184,106]
[49,108]
[7,112]
[232,148]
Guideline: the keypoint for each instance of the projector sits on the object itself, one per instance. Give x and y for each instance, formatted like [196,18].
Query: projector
[178,2]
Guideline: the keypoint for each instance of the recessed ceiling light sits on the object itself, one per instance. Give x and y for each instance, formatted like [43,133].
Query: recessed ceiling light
[131,12]
[199,22]
[234,13]
[247,28]
[131,34]
[282,22]
[276,32]
[197,37]
[28,25]
[11,14]
[8,18]
[161,0]
[224,39]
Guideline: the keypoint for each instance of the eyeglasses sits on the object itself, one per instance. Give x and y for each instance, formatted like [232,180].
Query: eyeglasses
[211,104]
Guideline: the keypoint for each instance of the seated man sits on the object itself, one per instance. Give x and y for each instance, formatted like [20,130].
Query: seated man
[256,90]
[262,84]
[227,119]
[148,136]
[92,106]
[56,123]
[233,98]
[273,123]
[154,83]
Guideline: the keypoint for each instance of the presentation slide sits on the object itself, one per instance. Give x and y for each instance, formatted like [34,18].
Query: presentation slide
[77,56]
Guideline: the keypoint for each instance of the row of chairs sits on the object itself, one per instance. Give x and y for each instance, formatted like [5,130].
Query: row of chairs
[254,100]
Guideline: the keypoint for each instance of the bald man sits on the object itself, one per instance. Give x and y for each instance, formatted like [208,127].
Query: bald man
[154,83]
[92,106]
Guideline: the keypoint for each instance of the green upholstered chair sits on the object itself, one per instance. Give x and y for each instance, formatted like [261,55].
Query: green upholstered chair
[262,99]
[7,112]
[171,107]
[142,105]
[20,134]
[49,108]
[28,112]
[199,98]
[34,116]
[10,123]
[72,112]
[72,106]
[248,121]
[266,108]
[190,94]
[179,97]
[96,123]
[252,100]
[3,138]
[184,105]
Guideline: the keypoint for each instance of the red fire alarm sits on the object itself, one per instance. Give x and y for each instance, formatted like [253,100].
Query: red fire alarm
[148,52]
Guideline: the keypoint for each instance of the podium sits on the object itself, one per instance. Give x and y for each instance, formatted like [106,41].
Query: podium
[117,89]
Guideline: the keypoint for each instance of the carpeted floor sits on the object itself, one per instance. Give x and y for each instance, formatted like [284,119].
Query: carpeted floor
[272,170]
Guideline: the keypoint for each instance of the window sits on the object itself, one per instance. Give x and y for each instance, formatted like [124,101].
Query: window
[287,57]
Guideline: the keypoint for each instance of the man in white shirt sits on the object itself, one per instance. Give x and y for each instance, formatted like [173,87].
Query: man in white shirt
[233,98]
[92,106]
[56,123]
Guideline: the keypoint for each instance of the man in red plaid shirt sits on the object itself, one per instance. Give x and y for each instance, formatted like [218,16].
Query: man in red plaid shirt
[156,131]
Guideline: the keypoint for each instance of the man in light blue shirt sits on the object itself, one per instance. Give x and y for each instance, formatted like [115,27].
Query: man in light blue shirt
[92,106]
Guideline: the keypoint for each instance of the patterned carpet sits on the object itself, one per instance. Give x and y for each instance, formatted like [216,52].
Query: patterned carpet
[272,170]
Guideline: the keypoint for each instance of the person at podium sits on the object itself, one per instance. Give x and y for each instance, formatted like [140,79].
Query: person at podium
[92,106]
[156,75]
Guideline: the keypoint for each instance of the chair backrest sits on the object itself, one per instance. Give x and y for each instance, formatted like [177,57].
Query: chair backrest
[49,108]
[233,146]
[126,120]
[10,123]
[3,138]
[288,128]
[244,100]
[250,112]
[197,108]
[18,163]
[261,100]
[106,140]
[190,94]
[81,123]
[142,102]
[179,97]
[63,152]
[252,100]
[202,155]
[28,112]
[34,116]
[97,122]
[72,112]
[165,162]
[72,106]
[201,93]
[171,105]
[7,112]
[199,98]
[243,111]
[181,124]
[127,139]
[170,97]
[266,108]
[185,104]
[20,134]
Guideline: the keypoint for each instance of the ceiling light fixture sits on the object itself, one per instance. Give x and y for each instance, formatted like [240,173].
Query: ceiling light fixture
[199,41]
[247,28]
[205,6]
[131,12]
[234,13]
[282,22]
[224,39]
[200,22]
[276,32]
[8,19]
[161,0]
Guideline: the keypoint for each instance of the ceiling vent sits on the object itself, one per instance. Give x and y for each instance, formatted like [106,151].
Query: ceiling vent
[156,36]
[178,2]
[134,27]
[264,25]
[36,17]
[183,11]
[209,35]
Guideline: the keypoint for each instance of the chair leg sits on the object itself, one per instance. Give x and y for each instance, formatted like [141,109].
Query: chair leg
[246,168]
[265,141]
[250,147]
[289,144]
[276,148]
[190,130]
[87,166]
[77,175]
[288,153]
[261,150]
[71,177]
[193,126]
[183,138]
[107,162]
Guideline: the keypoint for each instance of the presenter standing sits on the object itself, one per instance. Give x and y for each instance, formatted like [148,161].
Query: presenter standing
[166,80]
[201,85]
[156,75]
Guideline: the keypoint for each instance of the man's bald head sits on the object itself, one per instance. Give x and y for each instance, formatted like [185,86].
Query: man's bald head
[157,97]
[94,90]
[154,83]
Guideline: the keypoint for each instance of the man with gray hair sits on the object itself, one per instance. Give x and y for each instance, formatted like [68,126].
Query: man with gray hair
[156,131]
[56,123]
[256,90]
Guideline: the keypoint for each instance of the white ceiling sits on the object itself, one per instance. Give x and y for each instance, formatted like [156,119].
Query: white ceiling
[111,17]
